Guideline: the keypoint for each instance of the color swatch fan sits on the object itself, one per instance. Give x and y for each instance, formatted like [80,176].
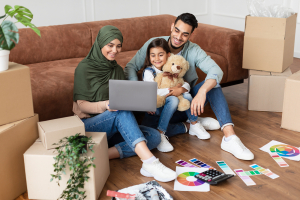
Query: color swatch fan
[186,181]
[283,150]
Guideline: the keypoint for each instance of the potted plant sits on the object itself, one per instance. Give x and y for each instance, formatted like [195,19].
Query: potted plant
[9,35]
[72,152]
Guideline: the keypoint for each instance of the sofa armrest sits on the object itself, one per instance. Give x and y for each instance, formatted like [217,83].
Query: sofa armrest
[224,42]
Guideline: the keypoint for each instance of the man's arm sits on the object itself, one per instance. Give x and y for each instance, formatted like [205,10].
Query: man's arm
[136,63]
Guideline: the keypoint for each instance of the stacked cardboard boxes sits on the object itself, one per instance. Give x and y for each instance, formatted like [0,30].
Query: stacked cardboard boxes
[39,160]
[18,128]
[268,53]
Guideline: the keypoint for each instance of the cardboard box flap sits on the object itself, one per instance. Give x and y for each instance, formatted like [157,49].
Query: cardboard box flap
[286,73]
[10,125]
[290,26]
[60,124]
[265,27]
[295,77]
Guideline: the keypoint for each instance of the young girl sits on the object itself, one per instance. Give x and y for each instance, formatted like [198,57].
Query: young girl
[157,54]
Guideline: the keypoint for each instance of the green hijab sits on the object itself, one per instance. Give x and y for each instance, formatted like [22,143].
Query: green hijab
[94,71]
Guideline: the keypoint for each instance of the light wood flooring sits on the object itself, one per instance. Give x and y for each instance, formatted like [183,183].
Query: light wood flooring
[254,128]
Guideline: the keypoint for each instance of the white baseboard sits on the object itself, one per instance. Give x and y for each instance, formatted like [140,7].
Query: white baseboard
[296,54]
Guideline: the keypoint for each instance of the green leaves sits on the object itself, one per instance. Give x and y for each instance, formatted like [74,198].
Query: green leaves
[72,155]
[9,35]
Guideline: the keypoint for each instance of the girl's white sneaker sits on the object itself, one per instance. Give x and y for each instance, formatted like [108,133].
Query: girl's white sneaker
[165,145]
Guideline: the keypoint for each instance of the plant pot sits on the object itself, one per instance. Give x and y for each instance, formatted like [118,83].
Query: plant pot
[4,57]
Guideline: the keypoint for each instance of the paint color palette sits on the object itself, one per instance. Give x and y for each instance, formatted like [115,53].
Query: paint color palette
[264,171]
[279,160]
[247,180]
[184,180]
[200,163]
[250,173]
[225,167]
[185,164]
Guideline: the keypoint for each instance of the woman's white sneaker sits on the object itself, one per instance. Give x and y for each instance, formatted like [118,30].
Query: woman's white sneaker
[237,148]
[157,170]
[165,145]
[198,130]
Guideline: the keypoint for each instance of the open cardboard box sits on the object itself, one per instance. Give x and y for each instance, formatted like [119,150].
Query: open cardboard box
[16,97]
[52,131]
[266,89]
[269,43]
[39,165]
[15,139]
[291,103]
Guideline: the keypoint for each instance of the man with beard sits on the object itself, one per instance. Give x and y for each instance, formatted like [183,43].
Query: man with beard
[208,90]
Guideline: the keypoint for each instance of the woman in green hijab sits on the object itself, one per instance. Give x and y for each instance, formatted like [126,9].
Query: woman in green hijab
[91,104]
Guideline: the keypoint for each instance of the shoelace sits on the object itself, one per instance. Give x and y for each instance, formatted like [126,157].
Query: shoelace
[201,127]
[240,144]
[164,141]
[159,165]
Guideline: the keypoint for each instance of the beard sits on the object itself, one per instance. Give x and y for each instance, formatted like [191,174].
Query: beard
[173,47]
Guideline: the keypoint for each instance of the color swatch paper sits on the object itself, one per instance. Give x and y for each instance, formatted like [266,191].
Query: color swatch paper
[250,173]
[279,160]
[264,171]
[225,167]
[186,181]
[185,164]
[200,163]
[247,180]
[282,149]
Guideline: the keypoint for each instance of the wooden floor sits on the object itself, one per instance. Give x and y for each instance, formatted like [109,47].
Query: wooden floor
[254,128]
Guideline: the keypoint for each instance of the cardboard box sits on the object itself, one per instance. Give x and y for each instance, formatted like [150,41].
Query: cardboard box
[291,103]
[269,43]
[16,97]
[15,139]
[52,131]
[265,90]
[39,165]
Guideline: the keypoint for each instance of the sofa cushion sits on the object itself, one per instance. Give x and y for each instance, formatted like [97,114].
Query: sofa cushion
[136,31]
[56,43]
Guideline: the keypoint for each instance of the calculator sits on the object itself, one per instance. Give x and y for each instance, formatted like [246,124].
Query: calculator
[213,176]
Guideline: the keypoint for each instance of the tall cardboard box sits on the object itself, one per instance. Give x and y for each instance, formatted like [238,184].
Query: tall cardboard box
[291,103]
[15,94]
[15,139]
[52,131]
[269,43]
[39,165]
[266,89]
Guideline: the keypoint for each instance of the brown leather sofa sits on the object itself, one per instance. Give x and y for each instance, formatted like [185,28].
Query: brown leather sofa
[53,58]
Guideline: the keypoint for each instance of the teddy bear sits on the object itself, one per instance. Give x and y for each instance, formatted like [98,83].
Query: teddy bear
[173,72]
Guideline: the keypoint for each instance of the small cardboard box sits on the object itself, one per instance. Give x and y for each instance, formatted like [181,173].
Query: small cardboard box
[269,43]
[16,97]
[265,90]
[291,103]
[39,165]
[52,131]
[15,139]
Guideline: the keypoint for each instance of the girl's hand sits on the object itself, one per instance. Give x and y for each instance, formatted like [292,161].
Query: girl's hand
[107,106]
[151,113]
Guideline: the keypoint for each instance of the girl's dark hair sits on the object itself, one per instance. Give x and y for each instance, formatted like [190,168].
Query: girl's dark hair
[158,42]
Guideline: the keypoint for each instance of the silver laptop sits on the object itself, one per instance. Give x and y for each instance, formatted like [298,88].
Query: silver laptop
[132,95]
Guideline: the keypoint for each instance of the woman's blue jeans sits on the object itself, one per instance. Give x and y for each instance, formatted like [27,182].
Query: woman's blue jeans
[214,97]
[122,131]
[166,112]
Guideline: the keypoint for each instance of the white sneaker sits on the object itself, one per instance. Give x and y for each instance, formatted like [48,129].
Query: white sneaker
[237,148]
[157,170]
[165,145]
[199,131]
[208,123]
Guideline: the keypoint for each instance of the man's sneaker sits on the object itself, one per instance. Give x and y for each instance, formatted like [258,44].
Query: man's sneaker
[157,170]
[237,148]
[199,131]
[208,123]
[164,145]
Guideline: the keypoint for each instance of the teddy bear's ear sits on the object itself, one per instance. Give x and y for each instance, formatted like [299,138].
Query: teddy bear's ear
[172,54]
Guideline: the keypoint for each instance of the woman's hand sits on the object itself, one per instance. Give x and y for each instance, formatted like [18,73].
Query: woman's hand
[107,106]
[151,113]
